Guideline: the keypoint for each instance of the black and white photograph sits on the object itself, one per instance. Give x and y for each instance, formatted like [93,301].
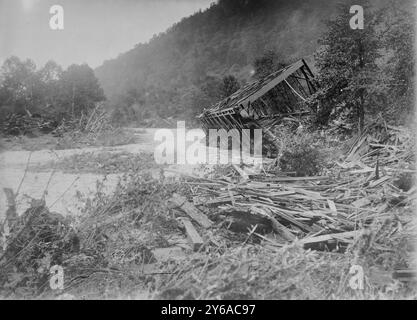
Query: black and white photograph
[230,151]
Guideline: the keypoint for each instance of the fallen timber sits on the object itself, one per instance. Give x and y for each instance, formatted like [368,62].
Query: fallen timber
[321,212]
[265,102]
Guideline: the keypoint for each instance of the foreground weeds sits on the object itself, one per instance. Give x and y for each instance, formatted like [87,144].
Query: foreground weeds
[103,163]
[109,254]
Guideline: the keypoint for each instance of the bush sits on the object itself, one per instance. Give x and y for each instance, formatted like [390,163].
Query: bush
[300,156]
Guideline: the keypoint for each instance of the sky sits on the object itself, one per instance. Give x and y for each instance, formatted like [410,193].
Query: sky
[94,30]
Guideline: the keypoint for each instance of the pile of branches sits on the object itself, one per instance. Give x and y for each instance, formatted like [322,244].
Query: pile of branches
[92,128]
[23,124]
[94,121]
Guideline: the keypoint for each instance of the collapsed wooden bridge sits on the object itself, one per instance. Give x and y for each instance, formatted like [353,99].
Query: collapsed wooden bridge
[282,93]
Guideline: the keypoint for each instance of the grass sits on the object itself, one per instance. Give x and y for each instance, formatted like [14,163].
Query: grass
[103,163]
[68,140]
[105,138]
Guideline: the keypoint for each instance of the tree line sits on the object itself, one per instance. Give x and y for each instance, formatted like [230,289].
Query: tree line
[177,74]
[49,92]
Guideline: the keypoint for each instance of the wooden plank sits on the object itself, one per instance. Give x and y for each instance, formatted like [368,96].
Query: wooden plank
[342,237]
[379,181]
[353,155]
[281,212]
[273,83]
[242,173]
[361,203]
[218,202]
[289,179]
[231,196]
[276,226]
[195,239]
[195,214]
[311,194]
[332,206]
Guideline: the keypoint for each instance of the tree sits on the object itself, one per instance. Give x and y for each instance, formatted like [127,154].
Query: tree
[212,88]
[48,92]
[19,85]
[398,36]
[269,62]
[347,68]
[50,76]
[79,90]
[230,85]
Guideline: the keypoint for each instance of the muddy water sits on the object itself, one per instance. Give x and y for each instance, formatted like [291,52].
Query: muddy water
[61,190]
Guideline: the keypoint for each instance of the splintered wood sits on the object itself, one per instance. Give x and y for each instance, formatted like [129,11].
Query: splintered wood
[320,209]
[195,240]
[195,214]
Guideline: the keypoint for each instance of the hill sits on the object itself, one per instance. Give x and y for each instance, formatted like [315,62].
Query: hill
[173,74]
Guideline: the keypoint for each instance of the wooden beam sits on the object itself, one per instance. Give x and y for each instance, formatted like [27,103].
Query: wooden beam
[346,237]
[195,214]
[311,87]
[273,83]
[193,237]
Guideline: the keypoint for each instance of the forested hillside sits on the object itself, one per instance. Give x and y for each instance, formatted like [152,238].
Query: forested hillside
[209,55]
[174,74]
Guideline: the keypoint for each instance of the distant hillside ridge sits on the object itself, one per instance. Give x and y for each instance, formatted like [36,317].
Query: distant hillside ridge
[164,77]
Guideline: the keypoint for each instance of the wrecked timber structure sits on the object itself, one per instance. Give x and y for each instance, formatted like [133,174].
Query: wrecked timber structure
[263,102]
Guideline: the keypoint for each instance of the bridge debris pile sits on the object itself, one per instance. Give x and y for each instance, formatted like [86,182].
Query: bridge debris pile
[329,211]
[360,213]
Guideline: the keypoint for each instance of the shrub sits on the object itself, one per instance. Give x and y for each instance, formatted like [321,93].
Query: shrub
[300,156]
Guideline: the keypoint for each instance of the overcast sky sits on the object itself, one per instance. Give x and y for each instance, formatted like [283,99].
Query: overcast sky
[94,30]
